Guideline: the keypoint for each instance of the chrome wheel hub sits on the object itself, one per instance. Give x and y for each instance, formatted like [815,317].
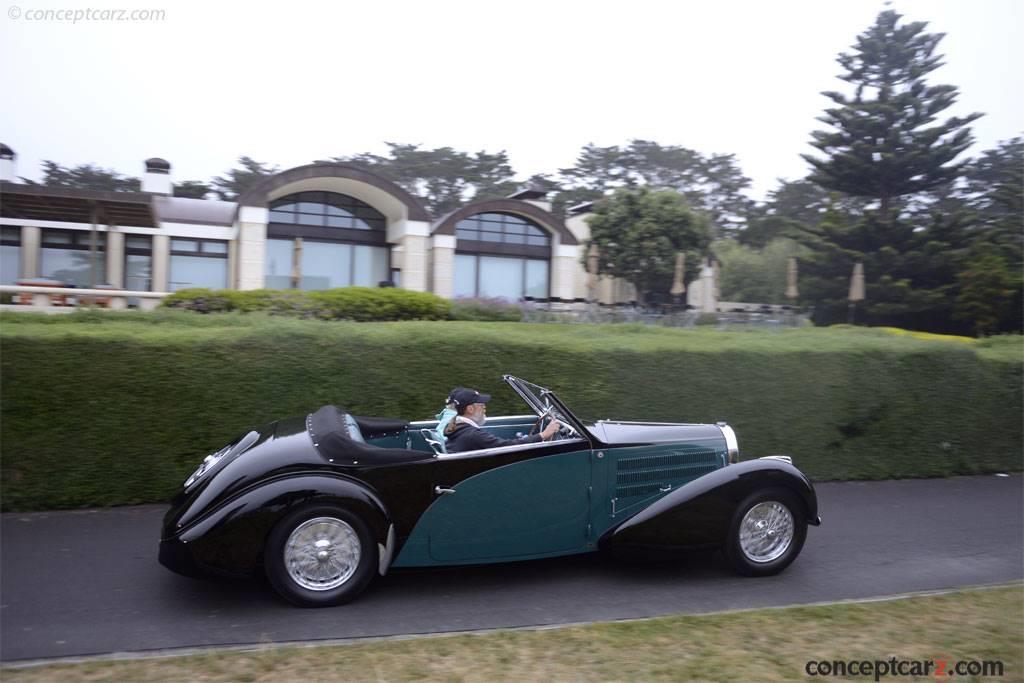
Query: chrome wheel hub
[766,531]
[322,553]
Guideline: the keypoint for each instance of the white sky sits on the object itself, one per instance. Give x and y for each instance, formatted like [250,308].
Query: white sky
[288,83]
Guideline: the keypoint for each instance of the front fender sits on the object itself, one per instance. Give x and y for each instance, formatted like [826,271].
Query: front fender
[699,513]
[229,539]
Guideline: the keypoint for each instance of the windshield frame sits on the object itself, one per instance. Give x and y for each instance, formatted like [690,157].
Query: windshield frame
[541,399]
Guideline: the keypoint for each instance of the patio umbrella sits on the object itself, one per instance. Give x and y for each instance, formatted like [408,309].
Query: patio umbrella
[592,258]
[297,262]
[857,283]
[856,288]
[679,283]
[791,290]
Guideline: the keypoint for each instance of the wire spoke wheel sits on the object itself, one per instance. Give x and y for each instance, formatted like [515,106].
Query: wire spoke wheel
[322,553]
[766,531]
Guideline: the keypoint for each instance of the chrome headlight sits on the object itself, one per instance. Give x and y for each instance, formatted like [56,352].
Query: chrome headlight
[209,461]
[732,445]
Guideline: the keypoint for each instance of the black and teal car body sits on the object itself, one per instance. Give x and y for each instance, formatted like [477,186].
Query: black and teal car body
[322,503]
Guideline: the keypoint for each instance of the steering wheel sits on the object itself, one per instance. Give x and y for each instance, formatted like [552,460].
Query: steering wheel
[566,431]
[537,426]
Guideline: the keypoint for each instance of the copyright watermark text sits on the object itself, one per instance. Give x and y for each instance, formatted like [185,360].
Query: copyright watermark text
[83,15]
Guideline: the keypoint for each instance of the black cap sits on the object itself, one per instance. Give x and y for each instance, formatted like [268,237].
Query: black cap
[463,397]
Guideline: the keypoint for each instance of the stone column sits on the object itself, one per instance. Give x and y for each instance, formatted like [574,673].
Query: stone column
[161,263]
[410,246]
[31,238]
[252,246]
[443,257]
[115,258]
[414,266]
[233,263]
[564,266]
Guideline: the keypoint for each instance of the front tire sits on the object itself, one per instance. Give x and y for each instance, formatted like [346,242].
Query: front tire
[767,532]
[320,556]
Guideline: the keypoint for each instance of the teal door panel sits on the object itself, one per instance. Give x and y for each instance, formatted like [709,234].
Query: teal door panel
[529,508]
[637,476]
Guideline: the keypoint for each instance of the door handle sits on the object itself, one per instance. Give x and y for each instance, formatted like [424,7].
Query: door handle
[666,488]
[441,491]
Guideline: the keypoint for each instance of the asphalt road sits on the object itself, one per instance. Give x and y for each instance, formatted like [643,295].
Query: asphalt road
[88,582]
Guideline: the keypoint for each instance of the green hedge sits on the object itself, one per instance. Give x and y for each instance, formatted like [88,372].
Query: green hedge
[362,304]
[110,408]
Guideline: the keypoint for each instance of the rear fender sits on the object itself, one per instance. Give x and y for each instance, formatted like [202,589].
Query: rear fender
[699,513]
[230,538]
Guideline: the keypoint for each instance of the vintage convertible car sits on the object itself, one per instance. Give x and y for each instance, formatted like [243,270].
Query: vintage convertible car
[322,503]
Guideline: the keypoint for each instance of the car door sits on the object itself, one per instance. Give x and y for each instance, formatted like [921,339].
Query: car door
[536,506]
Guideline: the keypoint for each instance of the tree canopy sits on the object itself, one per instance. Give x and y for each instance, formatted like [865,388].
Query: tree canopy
[638,233]
[712,184]
[237,180]
[85,177]
[885,142]
[445,178]
[192,189]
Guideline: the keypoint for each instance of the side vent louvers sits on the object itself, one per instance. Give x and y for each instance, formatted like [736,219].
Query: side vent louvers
[644,475]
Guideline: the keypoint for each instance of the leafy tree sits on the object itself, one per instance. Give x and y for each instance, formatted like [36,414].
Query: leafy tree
[192,189]
[989,296]
[236,181]
[885,141]
[85,177]
[638,234]
[910,270]
[755,275]
[444,178]
[994,188]
[713,185]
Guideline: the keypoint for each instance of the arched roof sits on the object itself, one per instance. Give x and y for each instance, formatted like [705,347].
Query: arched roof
[260,193]
[446,225]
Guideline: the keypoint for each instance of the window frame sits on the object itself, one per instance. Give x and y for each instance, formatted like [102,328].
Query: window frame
[523,261]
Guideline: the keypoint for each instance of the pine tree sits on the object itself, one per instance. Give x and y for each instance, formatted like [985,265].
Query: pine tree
[886,142]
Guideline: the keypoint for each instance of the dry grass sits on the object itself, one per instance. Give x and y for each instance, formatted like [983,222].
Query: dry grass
[762,645]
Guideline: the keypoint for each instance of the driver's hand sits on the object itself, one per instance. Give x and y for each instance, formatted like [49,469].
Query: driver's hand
[551,429]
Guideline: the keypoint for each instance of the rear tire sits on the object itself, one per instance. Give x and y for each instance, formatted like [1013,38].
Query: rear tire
[320,556]
[767,532]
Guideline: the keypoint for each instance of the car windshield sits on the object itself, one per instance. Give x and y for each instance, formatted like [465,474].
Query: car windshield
[534,394]
[541,399]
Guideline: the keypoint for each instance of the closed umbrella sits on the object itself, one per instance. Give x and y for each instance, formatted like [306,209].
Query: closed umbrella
[856,288]
[592,265]
[297,262]
[791,290]
[679,282]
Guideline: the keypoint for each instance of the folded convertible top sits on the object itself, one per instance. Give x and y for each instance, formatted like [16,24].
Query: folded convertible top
[340,437]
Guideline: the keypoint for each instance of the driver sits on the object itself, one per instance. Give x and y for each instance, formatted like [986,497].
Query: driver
[463,432]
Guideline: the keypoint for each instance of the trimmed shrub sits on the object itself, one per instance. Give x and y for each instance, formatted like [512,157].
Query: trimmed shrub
[114,408]
[362,304]
[486,310]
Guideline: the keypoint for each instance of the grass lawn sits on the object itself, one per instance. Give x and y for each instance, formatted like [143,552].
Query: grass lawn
[759,645]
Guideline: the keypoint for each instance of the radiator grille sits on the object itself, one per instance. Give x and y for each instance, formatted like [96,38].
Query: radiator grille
[644,475]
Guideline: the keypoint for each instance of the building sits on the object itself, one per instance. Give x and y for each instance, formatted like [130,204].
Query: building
[318,226]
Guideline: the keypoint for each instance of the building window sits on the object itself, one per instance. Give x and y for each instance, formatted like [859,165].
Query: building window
[510,278]
[198,263]
[138,263]
[335,240]
[501,255]
[277,272]
[502,228]
[10,255]
[324,265]
[326,209]
[67,256]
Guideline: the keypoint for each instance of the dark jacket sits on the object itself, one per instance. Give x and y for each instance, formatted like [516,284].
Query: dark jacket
[463,437]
